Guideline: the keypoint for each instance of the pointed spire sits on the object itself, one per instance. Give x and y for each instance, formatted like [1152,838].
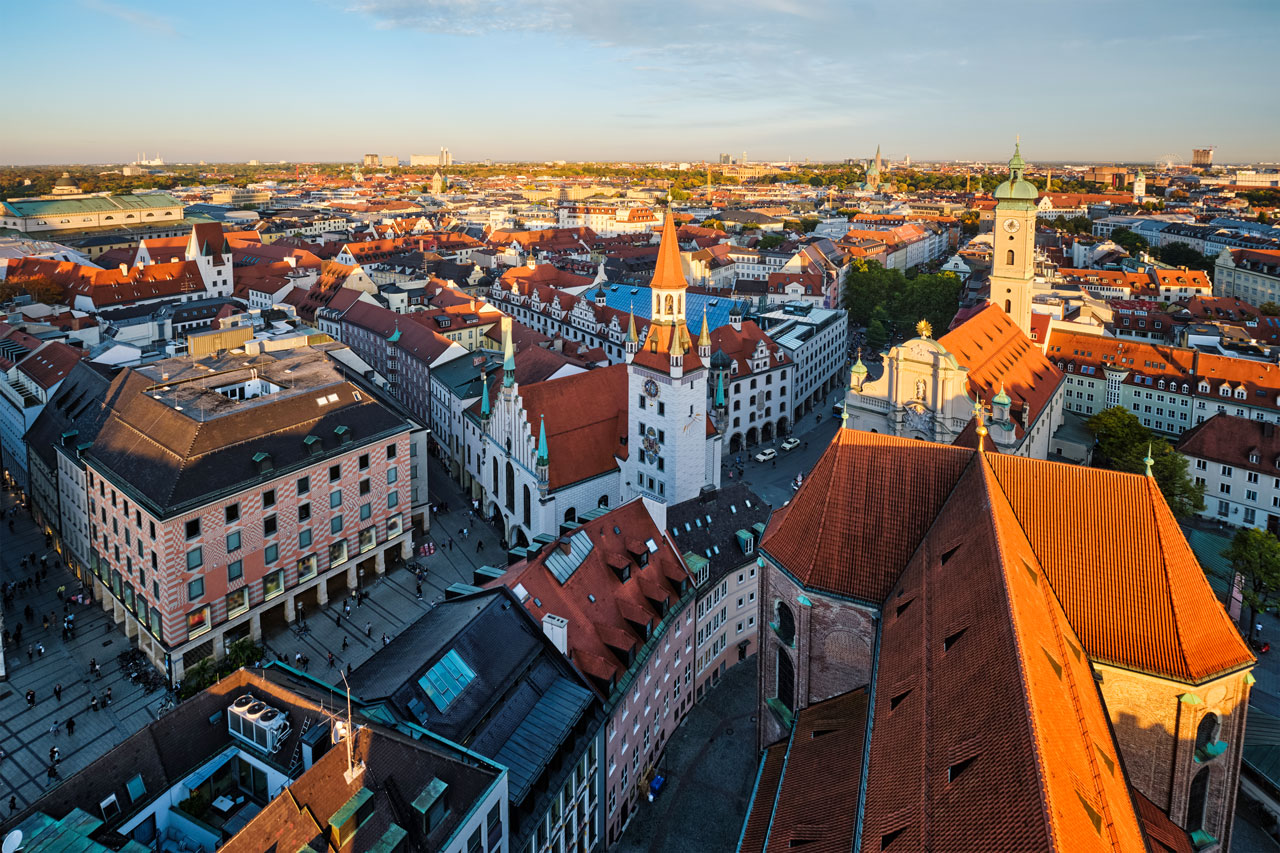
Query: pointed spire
[677,346]
[631,324]
[982,426]
[844,414]
[509,355]
[667,272]
[484,394]
[542,441]
[1148,461]
[720,390]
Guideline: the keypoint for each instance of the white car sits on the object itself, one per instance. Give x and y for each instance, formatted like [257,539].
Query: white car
[791,444]
[766,455]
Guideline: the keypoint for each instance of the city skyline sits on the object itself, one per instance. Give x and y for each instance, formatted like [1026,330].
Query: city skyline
[780,79]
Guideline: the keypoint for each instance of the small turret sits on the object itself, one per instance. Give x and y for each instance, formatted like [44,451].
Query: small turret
[485,409]
[1000,408]
[543,462]
[735,317]
[677,354]
[508,355]
[633,340]
[704,339]
[858,374]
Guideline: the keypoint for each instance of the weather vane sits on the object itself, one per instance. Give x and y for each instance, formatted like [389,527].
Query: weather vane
[924,330]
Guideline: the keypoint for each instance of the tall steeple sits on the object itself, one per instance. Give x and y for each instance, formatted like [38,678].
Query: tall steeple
[704,339]
[668,283]
[485,408]
[633,340]
[543,456]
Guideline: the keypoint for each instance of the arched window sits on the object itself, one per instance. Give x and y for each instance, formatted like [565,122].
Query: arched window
[511,487]
[571,514]
[604,501]
[1008,258]
[785,623]
[1008,306]
[495,479]
[528,510]
[670,304]
[1196,801]
[1206,734]
[786,680]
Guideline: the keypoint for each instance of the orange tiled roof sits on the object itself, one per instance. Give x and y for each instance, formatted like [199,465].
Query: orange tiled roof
[996,352]
[1157,616]
[1017,767]
[586,421]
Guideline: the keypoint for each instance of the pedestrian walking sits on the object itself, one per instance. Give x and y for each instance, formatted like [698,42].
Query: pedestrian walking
[93,704]
[306,663]
[107,699]
[93,664]
[344,644]
[338,620]
[46,623]
[52,772]
[31,698]
[13,800]
[297,659]
[71,725]
[57,691]
[40,649]
[386,640]
[479,545]
[330,660]
[56,728]
[368,630]
[54,758]
[31,650]
[465,534]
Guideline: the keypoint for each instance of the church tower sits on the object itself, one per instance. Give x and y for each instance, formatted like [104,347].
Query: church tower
[667,391]
[1014,241]
[1140,187]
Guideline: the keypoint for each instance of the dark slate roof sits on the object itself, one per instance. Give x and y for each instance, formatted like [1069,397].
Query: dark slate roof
[77,405]
[524,706]
[174,457]
[731,508]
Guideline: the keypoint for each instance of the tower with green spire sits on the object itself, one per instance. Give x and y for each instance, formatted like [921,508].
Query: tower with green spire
[508,356]
[543,462]
[1014,243]
[485,408]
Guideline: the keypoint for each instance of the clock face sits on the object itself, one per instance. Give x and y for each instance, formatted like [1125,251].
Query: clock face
[651,387]
[1012,225]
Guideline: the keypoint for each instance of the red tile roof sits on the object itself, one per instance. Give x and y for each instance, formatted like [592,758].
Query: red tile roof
[1234,441]
[997,353]
[601,608]
[109,287]
[760,810]
[1158,616]
[50,363]
[586,422]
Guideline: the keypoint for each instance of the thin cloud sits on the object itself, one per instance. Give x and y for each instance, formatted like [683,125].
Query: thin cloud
[135,17]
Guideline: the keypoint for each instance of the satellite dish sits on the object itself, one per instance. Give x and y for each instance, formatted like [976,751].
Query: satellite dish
[11,841]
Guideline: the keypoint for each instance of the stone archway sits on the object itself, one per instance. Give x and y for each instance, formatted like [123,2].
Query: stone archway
[753,437]
[735,443]
[766,432]
[517,537]
[782,426]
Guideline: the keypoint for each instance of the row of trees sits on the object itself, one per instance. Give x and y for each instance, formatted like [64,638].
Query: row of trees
[889,303]
[1174,254]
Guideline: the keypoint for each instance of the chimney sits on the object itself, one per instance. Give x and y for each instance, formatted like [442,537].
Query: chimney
[557,630]
[292,261]
[124,269]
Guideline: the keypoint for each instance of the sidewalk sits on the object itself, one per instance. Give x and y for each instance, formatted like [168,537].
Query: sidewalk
[391,603]
[24,731]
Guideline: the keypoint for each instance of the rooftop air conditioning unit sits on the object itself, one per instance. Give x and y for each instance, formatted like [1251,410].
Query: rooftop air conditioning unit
[258,724]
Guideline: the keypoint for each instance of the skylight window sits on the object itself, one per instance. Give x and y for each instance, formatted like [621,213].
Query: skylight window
[444,681]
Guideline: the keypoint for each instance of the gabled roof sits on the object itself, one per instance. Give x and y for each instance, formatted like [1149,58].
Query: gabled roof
[997,353]
[1239,442]
[1026,760]
[586,421]
[1158,615]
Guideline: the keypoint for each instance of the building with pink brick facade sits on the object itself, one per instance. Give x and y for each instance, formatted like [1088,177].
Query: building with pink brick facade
[233,494]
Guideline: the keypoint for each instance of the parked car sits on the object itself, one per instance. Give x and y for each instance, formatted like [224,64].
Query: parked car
[791,444]
[766,455]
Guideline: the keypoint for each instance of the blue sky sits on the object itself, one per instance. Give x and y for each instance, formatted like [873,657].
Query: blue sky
[657,79]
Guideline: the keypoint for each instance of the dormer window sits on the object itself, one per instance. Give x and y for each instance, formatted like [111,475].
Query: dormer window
[1224,390]
[1253,458]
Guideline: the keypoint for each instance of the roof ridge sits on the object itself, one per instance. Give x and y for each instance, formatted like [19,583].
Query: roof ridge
[1153,486]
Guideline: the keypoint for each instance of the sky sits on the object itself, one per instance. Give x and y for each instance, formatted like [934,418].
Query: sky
[330,80]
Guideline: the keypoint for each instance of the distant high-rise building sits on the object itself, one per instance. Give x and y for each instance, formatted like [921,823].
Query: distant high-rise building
[1202,157]
[390,161]
[423,160]
[726,159]
[446,159]
[370,160]
[1139,186]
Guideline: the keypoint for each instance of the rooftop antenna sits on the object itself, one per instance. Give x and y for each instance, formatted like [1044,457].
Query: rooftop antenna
[351,769]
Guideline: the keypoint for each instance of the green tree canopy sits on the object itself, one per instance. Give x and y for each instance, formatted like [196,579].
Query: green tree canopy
[1255,557]
[897,301]
[1130,242]
[1123,444]
[1182,255]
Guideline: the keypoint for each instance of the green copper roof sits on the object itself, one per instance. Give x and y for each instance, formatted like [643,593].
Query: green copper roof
[484,395]
[859,368]
[1017,189]
[1002,399]
[720,391]
[542,440]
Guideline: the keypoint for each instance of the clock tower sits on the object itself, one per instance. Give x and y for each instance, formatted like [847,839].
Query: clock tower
[671,453]
[1014,244]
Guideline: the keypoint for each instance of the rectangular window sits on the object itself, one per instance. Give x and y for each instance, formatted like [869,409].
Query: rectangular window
[197,622]
[335,473]
[338,552]
[269,526]
[393,474]
[233,513]
[391,451]
[270,553]
[392,499]
[195,558]
[304,538]
[368,539]
[304,485]
[366,510]
[364,461]
[268,498]
[335,499]
[307,567]
[335,524]
[235,571]
[365,487]
[304,511]
[195,589]
[273,584]
[233,541]
[237,601]
[193,528]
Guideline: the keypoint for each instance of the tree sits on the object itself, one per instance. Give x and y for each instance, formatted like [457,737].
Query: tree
[771,241]
[713,223]
[1270,309]
[1130,242]
[39,288]
[877,336]
[1123,443]
[1182,255]
[1255,558]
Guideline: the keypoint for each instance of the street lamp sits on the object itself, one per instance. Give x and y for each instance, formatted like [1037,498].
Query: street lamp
[302,619]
